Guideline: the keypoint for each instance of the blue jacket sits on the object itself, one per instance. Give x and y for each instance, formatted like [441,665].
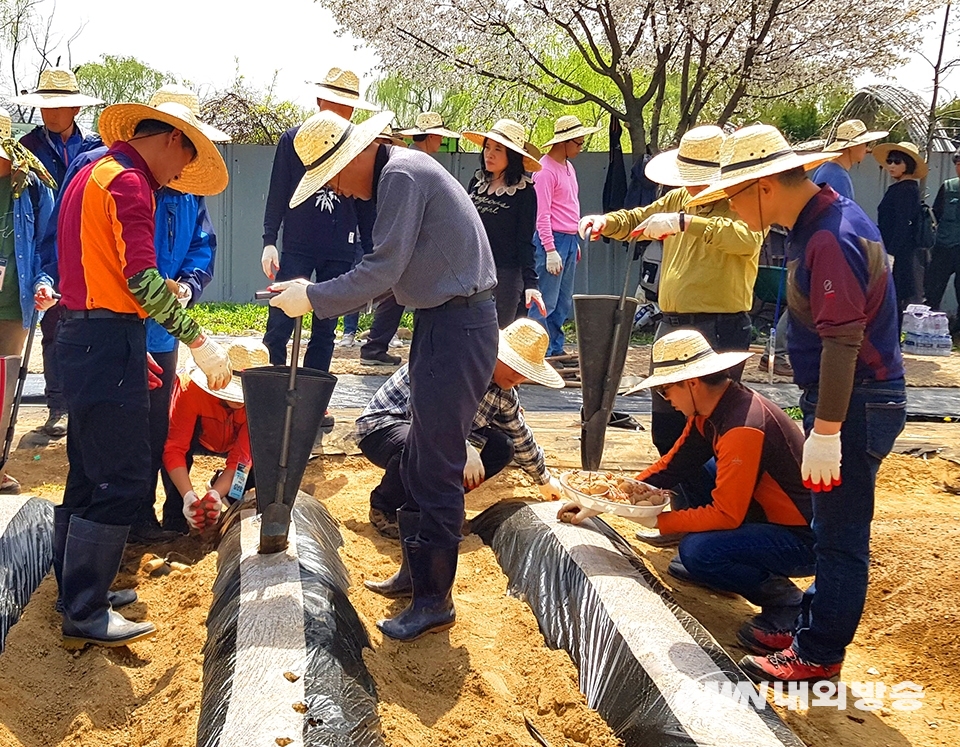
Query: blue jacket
[325,227]
[50,155]
[31,213]
[184,237]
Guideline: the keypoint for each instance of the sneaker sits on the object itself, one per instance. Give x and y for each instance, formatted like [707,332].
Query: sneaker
[786,666]
[56,425]
[10,485]
[383,359]
[761,640]
[653,538]
[348,341]
[385,524]
[781,366]
[396,342]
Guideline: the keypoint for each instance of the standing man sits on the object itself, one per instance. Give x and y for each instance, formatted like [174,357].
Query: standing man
[558,213]
[428,133]
[850,141]
[57,142]
[845,349]
[709,258]
[110,284]
[319,235]
[431,249]
[945,260]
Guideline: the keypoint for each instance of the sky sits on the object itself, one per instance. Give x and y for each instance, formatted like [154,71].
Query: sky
[294,37]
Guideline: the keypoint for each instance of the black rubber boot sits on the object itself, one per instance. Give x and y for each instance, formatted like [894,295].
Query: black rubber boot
[91,559]
[432,570]
[61,523]
[399,584]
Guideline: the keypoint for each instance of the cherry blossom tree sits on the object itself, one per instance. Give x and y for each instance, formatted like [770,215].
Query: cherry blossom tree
[661,66]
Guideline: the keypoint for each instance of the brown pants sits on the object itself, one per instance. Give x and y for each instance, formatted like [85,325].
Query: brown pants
[12,337]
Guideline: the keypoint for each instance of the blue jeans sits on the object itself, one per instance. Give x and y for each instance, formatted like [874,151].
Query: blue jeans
[557,290]
[350,323]
[842,516]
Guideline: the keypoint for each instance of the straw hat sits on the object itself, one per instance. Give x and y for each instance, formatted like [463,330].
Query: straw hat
[181,95]
[429,123]
[523,346]
[6,132]
[754,152]
[810,146]
[685,354]
[243,354]
[343,87]
[696,162]
[880,152]
[509,134]
[387,134]
[853,132]
[326,143]
[568,127]
[205,175]
[57,90]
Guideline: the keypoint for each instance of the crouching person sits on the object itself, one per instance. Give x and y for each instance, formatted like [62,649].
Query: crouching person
[211,422]
[751,533]
[498,433]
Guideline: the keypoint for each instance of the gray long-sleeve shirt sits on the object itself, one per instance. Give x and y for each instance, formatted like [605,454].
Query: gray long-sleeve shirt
[428,242]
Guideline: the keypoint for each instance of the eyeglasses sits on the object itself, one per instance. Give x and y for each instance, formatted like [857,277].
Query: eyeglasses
[578,143]
[663,389]
[893,158]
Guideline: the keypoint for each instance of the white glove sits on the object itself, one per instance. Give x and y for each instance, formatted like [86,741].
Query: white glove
[820,469]
[574,513]
[212,360]
[592,224]
[554,263]
[473,473]
[551,490]
[270,261]
[533,296]
[43,297]
[293,300]
[658,226]
[192,510]
[182,291]
[212,506]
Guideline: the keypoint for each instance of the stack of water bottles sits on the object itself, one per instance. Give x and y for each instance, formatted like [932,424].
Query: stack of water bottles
[926,332]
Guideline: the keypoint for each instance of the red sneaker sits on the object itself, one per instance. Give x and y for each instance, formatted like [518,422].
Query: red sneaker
[786,666]
[763,641]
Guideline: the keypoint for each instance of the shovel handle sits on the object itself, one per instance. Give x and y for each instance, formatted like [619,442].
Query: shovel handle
[265,295]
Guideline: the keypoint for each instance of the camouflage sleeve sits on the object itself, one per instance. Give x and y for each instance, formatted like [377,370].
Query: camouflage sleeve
[150,289]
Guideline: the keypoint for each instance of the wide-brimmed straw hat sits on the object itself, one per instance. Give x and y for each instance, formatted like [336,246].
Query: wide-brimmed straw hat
[57,89]
[686,354]
[326,143]
[242,354]
[342,87]
[182,95]
[568,127]
[509,133]
[429,123]
[880,152]
[523,347]
[205,175]
[6,132]
[853,132]
[754,152]
[696,162]
[388,134]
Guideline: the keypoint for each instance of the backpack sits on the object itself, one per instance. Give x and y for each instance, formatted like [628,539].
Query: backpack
[925,230]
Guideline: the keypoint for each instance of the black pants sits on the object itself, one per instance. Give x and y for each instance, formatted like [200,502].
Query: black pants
[452,357]
[159,427]
[944,262]
[386,320]
[280,326]
[724,332]
[385,447]
[908,272]
[509,295]
[52,378]
[104,365]
[173,517]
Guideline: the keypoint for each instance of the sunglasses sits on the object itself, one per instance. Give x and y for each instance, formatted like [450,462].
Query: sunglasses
[578,143]
[663,389]
[891,160]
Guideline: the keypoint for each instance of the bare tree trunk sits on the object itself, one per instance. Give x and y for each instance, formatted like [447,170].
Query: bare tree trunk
[937,70]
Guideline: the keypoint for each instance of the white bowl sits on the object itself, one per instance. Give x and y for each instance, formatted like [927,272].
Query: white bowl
[598,503]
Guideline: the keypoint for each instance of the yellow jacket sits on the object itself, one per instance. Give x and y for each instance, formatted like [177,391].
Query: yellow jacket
[711,267]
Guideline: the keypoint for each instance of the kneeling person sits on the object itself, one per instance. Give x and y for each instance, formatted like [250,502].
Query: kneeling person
[751,534]
[498,433]
[204,421]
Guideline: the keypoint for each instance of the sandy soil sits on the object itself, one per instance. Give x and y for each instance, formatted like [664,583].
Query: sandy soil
[473,684]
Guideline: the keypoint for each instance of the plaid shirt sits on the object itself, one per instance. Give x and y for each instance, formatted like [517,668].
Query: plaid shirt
[499,408]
